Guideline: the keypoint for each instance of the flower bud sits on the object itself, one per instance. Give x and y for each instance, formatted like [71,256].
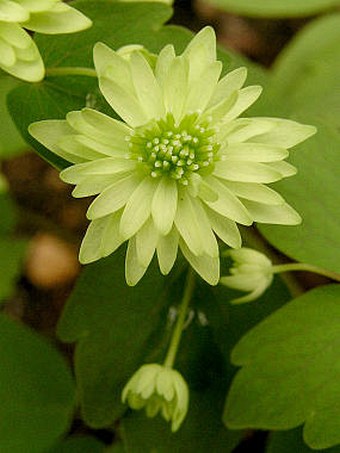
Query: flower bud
[158,389]
[252,271]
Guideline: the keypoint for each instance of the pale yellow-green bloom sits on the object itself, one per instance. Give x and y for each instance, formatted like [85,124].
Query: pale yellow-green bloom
[180,167]
[19,55]
[157,388]
[252,272]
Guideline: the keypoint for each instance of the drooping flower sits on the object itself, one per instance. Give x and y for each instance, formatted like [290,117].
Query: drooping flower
[252,271]
[19,55]
[180,168]
[157,388]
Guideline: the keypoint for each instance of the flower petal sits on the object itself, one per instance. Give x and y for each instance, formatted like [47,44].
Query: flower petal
[246,97]
[255,192]
[164,60]
[280,214]
[138,207]
[176,87]
[194,227]
[101,239]
[286,169]
[206,266]
[224,228]
[7,54]
[100,127]
[71,145]
[230,83]
[94,185]
[146,241]
[114,197]
[246,172]
[285,133]
[123,102]
[201,89]
[255,152]
[134,270]
[61,18]
[12,12]
[227,204]
[167,248]
[243,129]
[101,167]
[147,88]
[200,52]
[49,132]
[164,205]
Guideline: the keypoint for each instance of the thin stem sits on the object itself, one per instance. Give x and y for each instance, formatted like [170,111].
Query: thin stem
[305,267]
[182,313]
[76,70]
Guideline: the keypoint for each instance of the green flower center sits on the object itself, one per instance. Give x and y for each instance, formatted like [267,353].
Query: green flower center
[175,151]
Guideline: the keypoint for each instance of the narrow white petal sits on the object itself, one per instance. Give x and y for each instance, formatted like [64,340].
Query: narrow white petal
[167,247]
[176,87]
[225,229]
[113,198]
[138,207]
[110,65]
[164,60]
[206,266]
[100,127]
[7,54]
[123,102]
[49,133]
[61,18]
[246,172]
[255,152]
[255,192]
[103,167]
[251,296]
[94,185]
[200,52]
[217,112]
[101,239]
[243,129]
[244,282]
[71,144]
[246,97]
[201,89]
[134,271]
[230,83]
[146,241]
[286,169]
[164,205]
[146,86]
[285,133]
[227,204]
[12,12]
[194,227]
[280,214]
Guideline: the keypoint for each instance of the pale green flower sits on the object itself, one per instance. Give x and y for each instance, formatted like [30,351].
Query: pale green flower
[180,167]
[19,55]
[252,271]
[157,388]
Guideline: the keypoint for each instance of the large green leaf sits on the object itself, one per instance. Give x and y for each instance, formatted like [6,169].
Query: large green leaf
[305,78]
[78,444]
[11,142]
[36,391]
[114,325]
[291,370]
[306,86]
[291,442]
[276,8]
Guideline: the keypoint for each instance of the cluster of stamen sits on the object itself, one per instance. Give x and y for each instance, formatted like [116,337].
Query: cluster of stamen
[175,150]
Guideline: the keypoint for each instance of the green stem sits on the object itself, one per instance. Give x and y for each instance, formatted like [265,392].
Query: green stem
[277,268]
[76,70]
[182,313]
